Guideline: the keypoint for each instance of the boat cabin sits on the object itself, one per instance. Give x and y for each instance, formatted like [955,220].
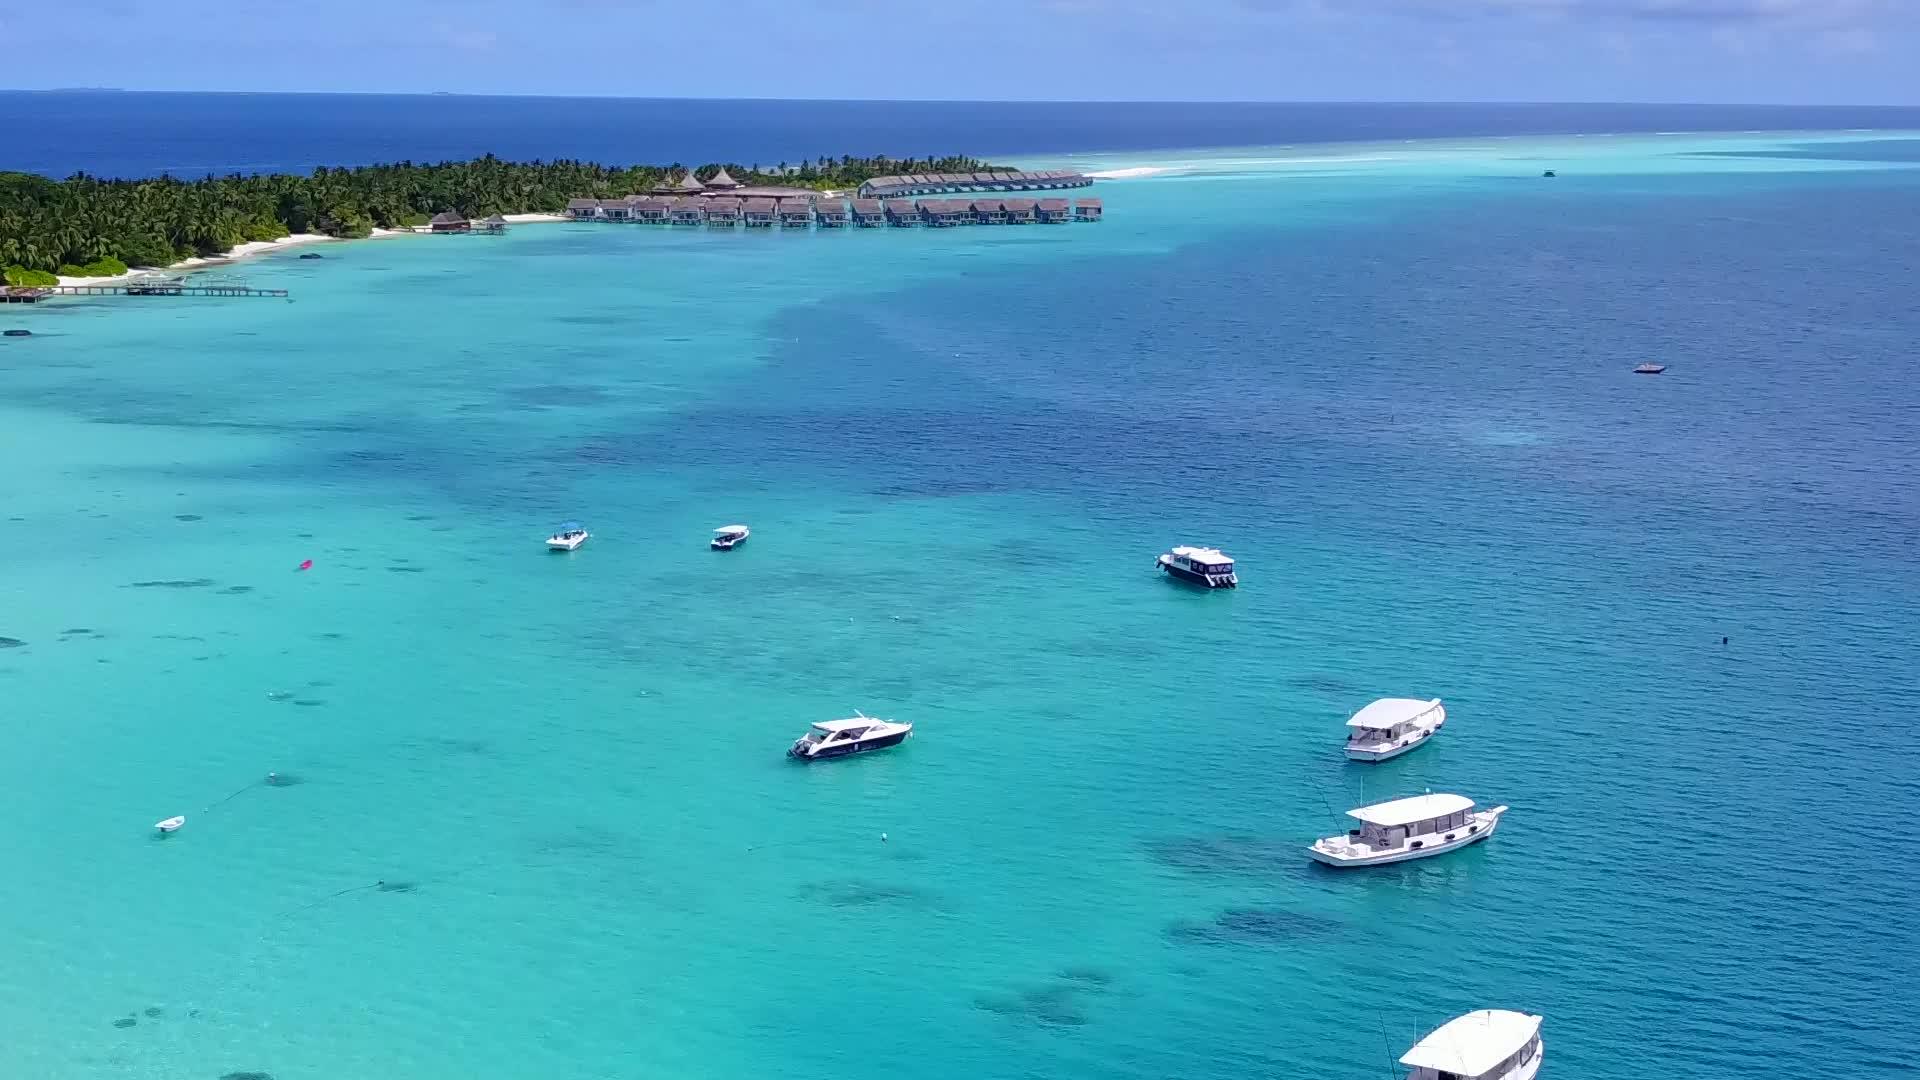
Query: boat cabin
[1202,566]
[1488,1044]
[1391,719]
[1393,824]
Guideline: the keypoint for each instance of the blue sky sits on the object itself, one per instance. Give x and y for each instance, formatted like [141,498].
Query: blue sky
[1788,51]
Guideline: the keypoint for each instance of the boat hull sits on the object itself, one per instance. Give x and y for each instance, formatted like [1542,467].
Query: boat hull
[1205,581]
[1408,854]
[849,749]
[718,546]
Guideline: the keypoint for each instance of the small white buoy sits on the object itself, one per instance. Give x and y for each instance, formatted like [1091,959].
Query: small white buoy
[883,838]
[171,823]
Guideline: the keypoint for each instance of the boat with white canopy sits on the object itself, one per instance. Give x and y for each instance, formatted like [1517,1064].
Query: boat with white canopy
[1412,828]
[838,738]
[1201,565]
[728,537]
[1392,726]
[1488,1044]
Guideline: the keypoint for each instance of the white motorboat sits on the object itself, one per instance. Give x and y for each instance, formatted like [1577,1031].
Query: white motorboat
[172,824]
[1392,726]
[1488,1044]
[838,738]
[728,537]
[1414,828]
[568,537]
[1202,566]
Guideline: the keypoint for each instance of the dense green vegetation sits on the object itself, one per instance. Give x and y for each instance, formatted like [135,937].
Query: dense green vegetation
[56,225]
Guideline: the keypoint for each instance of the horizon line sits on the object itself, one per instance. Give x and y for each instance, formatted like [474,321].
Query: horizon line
[967,101]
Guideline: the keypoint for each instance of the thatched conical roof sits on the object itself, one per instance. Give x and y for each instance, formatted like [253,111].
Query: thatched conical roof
[688,183]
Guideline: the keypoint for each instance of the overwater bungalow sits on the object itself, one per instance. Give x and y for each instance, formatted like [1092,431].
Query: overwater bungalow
[796,213]
[616,210]
[889,187]
[446,221]
[651,211]
[495,225]
[988,211]
[720,181]
[830,213]
[759,213]
[689,185]
[686,212]
[901,213]
[1053,211]
[1021,211]
[1086,209]
[943,213]
[583,209]
[868,213]
[723,212]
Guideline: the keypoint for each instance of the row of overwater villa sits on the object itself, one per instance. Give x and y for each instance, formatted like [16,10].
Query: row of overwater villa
[722,202]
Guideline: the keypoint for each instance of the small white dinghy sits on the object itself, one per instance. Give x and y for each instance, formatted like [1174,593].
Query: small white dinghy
[172,824]
[728,537]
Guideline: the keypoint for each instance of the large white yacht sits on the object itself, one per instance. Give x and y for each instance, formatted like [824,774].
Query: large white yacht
[838,738]
[1202,566]
[1489,1044]
[1392,726]
[1404,829]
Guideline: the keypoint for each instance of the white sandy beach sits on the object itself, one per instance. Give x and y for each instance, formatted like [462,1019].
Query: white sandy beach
[251,247]
[261,247]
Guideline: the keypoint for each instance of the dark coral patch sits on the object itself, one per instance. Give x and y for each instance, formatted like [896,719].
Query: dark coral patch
[125,1022]
[1268,926]
[186,517]
[173,583]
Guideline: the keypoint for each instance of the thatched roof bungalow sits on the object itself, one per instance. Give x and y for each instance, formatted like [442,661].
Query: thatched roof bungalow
[759,213]
[830,213]
[686,212]
[446,221]
[1020,211]
[868,213]
[583,209]
[796,213]
[723,213]
[988,211]
[1086,209]
[901,213]
[1053,211]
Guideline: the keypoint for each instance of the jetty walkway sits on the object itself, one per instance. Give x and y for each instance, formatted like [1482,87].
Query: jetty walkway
[28,295]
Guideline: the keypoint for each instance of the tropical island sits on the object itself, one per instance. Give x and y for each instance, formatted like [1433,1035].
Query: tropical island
[84,226]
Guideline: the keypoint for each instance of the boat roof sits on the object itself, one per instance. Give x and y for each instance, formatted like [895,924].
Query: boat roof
[724,529]
[1389,711]
[1474,1044]
[1206,555]
[831,726]
[1408,811]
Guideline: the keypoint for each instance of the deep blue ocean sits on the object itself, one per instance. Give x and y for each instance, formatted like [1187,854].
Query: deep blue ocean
[142,134]
[532,817]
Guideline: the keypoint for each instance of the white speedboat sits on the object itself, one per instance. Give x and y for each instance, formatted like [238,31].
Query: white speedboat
[568,537]
[838,738]
[1415,828]
[1392,726]
[1202,566]
[1488,1044]
[728,537]
[172,824]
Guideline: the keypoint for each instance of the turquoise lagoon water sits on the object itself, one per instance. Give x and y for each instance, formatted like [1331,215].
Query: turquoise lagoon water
[1397,390]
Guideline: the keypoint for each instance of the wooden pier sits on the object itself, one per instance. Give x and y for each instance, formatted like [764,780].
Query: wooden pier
[162,288]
